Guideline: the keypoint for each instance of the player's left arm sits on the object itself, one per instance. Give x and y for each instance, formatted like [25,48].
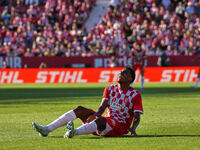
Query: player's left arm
[138,110]
[136,122]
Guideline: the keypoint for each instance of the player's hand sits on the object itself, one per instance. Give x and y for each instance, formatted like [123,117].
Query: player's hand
[91,118]
[133,133]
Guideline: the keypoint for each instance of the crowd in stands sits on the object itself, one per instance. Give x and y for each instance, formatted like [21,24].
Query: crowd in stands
[55,28]
[42,27]
[170,26]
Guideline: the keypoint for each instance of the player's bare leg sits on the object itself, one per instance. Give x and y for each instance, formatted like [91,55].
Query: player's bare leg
[197,80]
[98,124]
[83,113]
[79,112]
[142,78]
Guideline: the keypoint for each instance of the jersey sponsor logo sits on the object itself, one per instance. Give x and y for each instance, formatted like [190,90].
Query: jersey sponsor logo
[116,106]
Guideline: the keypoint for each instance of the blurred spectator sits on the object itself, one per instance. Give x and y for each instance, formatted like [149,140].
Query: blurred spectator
[166,3]
[113,62]
[180,9]
[5,65]
[5,15]
[139,60]
[42,65]
[190,8]
[25,65]
[163,60]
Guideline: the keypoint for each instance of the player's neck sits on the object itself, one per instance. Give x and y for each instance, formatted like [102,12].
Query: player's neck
[124,86]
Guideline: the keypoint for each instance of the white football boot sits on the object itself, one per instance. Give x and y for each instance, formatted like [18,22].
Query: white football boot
[70,130]
[43,130]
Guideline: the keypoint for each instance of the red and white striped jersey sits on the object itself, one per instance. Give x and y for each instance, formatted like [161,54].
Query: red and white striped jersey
[138,56]
[122,103]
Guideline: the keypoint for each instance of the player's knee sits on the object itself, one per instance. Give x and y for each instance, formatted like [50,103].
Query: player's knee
[78,110]
[82,112]
[101,124]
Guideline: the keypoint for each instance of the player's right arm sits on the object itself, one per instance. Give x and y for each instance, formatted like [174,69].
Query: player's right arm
[99,112]
[104,103]
[102,107]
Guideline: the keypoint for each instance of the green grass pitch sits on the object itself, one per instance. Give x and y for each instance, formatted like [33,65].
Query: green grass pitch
[171,117]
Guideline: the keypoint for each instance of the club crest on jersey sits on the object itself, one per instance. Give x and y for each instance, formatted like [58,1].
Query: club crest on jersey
[126,100]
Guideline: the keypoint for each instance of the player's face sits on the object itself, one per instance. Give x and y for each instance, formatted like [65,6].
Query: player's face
[125,76]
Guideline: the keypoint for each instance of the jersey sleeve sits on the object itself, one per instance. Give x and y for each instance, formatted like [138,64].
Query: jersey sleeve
[138,104]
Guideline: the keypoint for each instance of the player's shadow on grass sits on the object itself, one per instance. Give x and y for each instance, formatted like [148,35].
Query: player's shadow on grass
[151,136]
[80,137]
[56,137]
[127,136]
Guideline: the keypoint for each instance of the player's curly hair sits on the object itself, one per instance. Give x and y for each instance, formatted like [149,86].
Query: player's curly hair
[132,73]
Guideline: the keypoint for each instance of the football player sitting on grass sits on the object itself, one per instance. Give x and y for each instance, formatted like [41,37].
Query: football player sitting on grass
[124,105]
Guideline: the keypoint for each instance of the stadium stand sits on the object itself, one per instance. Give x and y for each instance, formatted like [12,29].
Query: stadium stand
[55,28]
